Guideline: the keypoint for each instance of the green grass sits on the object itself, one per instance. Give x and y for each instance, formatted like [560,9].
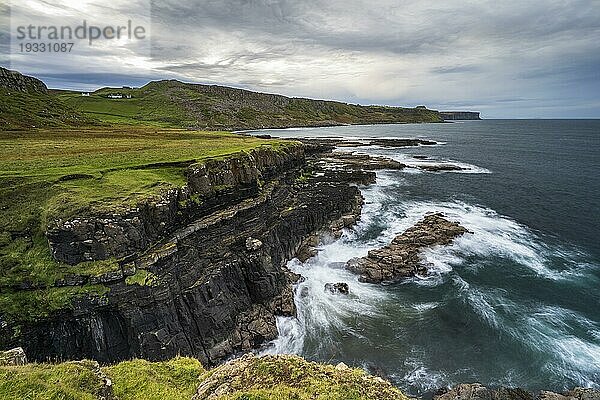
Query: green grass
[20,306]
[254,378]
[176,379]
[66,381]
[142,278]
[20,110]
[60,173]
[291,377]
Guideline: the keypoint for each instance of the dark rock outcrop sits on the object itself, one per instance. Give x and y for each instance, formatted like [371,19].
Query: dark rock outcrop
[335,288]
[401,258]
[476,391]
[13,80]
[362,161]
[441,167]
[335,142]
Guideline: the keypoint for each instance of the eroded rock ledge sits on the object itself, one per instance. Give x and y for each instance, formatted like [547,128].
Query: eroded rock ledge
[401,259]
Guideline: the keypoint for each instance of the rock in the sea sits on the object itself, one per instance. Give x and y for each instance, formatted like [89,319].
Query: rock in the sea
[476,391]
[253,244]
[363,161]
[401,258]
[335,288]
[14,356]
[575,394]
[441,167]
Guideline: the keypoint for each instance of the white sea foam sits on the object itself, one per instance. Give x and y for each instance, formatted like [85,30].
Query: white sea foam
[492,235]
[415,163]
[423,378]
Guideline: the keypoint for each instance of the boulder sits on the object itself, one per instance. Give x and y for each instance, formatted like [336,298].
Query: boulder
[335,288]
[476,391]
[14,356]
[401,259]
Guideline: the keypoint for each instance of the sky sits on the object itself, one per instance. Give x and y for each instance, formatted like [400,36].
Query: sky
[507,59]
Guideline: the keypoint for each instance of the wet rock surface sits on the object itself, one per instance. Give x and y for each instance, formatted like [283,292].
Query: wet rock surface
[401,258]
[476,391]
[362,161]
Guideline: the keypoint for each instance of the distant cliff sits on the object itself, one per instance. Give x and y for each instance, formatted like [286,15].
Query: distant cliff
[459,115]
[27,103]
[211,107]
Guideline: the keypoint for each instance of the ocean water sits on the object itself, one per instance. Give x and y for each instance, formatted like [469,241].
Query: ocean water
[516,303]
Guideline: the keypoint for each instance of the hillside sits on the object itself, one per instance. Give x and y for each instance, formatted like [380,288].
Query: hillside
[27,103]
[173,103]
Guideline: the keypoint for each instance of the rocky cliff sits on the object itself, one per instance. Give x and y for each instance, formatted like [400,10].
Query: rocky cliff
[13,80]
[201,270]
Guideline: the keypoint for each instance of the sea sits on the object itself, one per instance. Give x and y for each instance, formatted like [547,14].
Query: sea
[514,303]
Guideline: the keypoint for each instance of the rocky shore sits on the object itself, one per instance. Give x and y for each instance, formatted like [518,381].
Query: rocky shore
[401,258]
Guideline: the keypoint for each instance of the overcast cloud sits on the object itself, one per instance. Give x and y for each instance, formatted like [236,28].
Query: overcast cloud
[505,58]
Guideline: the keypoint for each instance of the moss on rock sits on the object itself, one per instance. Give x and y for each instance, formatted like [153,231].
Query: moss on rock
[291,377]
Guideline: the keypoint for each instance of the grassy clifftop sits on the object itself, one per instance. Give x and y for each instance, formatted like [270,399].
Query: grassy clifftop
[247,378]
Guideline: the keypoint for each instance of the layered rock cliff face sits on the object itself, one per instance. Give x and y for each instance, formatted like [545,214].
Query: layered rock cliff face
[202,271]
[211,185]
